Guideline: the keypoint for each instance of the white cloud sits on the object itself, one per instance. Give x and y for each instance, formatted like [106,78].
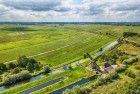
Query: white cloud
[69,10]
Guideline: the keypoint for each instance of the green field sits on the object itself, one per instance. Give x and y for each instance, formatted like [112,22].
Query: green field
[71,76]
[63,44]
[56,45]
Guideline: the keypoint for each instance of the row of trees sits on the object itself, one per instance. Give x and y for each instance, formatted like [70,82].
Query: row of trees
[21,70]
[17,28]
[5,67]
[23,62]
[130,60]
[29,63]
[130,34]
[12,79]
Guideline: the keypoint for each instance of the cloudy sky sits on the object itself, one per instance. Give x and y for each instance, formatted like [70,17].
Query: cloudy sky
[69,10]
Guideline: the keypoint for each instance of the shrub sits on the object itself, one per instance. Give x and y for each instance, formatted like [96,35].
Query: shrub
[17,28]
[29,63]
[130,60]
[78,90]
[32,61]
[11,65]
[47,69]
[137,67]
[120,69]
[23,61]
[11,79]
[81,90]
[1,72]
[134,88]
[3,67]
[130,73]
[122,58]
[36,66]
[107,78]
[68,91]
[85,56]
[30,67]
[16,70]
[70,67]
[113,75]
[100,81]
[129,34]
[86,90]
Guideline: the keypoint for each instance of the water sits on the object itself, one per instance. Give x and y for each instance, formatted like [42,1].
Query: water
[78,83]
[37,77]
[2,88]
[32,79]
[63,68]
[28,91]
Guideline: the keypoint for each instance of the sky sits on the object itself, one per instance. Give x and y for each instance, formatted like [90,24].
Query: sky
[70,10]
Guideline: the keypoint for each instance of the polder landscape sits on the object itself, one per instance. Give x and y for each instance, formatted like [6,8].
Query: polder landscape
[69,58]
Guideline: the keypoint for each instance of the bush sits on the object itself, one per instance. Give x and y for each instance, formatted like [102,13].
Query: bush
[30,67]
[11,65]
[134,88]
[16,70]
[78,90]
[23,61]
[29,63]
[121,69]
[114,75]
[130,60]
[3,67]
[107,78]
[69,67]
[68,91]
[1,72]
[137,67]
[17,28]
[12,79]
[47,69]
[32,61]
[129,34]
[36,66]
[130,73]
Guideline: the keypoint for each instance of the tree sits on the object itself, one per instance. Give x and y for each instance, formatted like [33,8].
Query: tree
[11,66]
[46,69]
[36,66]
[32,61]
[30,67]
[129,34]
[29,63]
[16,70]
[70,67]
[134,87]
[2,67]
[12,79]
[23,61]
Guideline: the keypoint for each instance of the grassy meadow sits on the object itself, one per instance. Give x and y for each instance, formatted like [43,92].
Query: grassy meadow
[68,44]
[71,76]
[56,45]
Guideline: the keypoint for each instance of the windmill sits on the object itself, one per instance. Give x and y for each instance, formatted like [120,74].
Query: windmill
[93,64]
